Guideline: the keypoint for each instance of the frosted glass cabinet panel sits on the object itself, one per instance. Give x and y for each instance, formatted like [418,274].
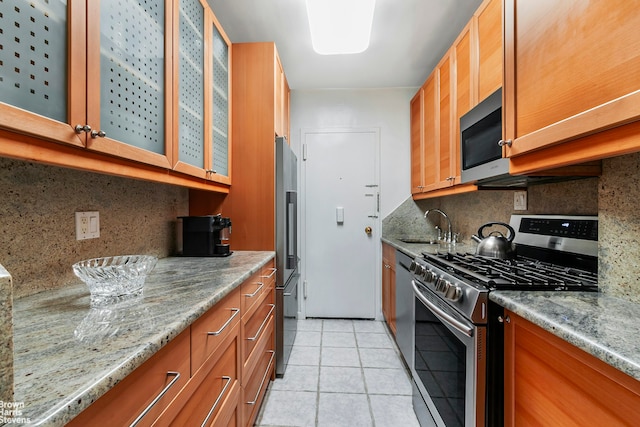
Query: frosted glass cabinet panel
[36,97]
[203,81]
[220,108]
[191,83]
[129,79]
[33,56]
[132,76]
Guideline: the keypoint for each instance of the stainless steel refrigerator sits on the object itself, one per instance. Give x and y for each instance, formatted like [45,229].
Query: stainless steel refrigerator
[287,259]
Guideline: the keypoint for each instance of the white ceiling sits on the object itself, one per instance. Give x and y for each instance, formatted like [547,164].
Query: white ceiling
[408,39]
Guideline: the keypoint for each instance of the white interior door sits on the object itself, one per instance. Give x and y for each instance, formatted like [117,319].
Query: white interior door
[341,203]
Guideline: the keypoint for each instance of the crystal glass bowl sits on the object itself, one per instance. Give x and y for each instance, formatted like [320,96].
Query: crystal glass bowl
[114,277]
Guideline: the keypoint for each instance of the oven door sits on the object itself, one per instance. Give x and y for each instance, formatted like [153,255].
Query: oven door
[449,368]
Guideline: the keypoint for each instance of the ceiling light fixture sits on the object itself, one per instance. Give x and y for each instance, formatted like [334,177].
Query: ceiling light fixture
[340,26]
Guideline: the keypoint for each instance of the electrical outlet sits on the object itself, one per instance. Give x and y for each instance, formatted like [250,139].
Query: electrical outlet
[87,225]
[520,201]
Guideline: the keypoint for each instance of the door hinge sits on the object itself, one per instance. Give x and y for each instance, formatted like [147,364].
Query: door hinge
[304,289]
[304,152]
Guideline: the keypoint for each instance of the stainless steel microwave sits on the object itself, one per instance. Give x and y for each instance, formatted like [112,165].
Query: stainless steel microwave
[480,131]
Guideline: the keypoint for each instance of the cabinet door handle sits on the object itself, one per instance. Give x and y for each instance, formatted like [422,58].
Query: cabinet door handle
[273,271]
[223,327]
[255,399]
[264,322]
[175,375]
[81,128]
[215,404]
[507,142]
[256,292]
[98,134]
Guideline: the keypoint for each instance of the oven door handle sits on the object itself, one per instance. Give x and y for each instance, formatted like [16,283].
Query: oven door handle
[440,313]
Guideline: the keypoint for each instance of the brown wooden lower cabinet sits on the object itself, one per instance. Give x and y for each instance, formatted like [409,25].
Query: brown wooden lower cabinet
[256,385]
[125,402]
[549,382]
[225,361]
[211,395]
[389,286]
[258,353]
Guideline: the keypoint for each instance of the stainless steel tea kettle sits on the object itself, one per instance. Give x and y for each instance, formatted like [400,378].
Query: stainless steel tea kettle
[495,245]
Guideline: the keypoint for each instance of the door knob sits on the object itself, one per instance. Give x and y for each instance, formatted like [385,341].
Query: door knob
[368,230]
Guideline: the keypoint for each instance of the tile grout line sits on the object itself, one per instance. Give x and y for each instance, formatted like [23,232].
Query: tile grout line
[319,374]
[364,380]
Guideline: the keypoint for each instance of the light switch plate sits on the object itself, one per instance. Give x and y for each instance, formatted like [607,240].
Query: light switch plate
[520,201]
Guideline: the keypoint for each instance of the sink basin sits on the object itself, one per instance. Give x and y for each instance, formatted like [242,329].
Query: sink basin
[418,240]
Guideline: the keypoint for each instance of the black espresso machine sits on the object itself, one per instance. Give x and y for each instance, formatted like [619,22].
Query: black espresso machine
[206,235]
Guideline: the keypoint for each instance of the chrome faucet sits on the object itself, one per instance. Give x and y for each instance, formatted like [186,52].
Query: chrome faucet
[448,237]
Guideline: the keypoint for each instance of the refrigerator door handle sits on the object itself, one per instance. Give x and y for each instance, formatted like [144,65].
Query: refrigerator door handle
[292,230]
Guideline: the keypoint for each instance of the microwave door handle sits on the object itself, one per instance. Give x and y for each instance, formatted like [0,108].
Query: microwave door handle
[438,312]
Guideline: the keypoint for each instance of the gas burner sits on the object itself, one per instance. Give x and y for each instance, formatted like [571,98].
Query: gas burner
[513,274]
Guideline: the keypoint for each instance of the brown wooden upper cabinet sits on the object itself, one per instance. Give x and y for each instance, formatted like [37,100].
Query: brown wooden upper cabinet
[282,93]
[417,141]
[143,82]
[258,117]
[572,81]
[469,72]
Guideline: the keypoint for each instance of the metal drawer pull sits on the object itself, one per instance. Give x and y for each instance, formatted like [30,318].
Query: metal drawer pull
[219,331]
[256,292]
[215,404]
[255,399]
[273,271]
[158,397]
[264,322]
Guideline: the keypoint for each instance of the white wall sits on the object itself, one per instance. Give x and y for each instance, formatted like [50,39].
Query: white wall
[386,109]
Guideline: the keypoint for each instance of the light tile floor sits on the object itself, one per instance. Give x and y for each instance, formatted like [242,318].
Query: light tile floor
[341,373]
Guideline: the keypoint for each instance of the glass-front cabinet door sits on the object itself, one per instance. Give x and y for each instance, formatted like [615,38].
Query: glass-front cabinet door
[129,77]
[142,80]
[189,148]
[221,108]
[201,120]
[41,92]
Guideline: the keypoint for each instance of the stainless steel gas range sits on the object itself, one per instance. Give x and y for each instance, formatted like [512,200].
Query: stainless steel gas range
[458,340]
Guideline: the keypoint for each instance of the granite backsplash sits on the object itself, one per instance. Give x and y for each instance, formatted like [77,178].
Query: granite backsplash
[613,197]
[37,221]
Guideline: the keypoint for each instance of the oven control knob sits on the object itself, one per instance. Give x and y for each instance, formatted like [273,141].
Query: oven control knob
[412,267]
[429,276]
[442,285]
[420,270]
[454,293]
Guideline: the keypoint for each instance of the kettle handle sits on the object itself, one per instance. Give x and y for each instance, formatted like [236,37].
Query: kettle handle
[510,236]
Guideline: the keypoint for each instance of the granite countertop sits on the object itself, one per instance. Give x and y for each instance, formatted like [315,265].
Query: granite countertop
[604,326]
[67,354]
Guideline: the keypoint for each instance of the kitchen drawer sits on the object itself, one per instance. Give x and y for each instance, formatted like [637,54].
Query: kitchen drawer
[256,386]
[212,328]
[268,274]
[253,290]
[255,330]
[212,393]
[166,371]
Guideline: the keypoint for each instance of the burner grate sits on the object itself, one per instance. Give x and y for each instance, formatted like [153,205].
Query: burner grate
[514,274]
